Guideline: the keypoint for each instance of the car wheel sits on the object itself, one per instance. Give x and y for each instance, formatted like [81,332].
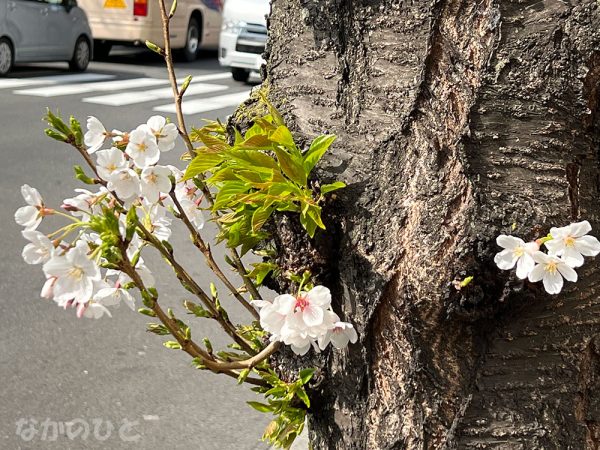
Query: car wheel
[81,55]
[101,50]
[192,42]
[6,56]
[239,74]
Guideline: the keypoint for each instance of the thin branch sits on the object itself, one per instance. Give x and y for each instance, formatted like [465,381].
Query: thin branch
[210,261]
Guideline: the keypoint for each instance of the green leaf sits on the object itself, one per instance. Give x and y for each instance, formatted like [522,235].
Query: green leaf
[256,142]
[283,136]
[147,312]
[309,225]
[261,407]
[201,163]
[332,187]
[314,212]
[261,270]
[227,192]
[293,169]
[305,375]
[260,216]
[81,176]
[317,149]
[174,345]
[253,160]
[301,393]
[243,375]
[212,142]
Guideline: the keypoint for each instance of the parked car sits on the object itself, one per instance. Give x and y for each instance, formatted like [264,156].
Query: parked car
[243,36]
[44,30]
[195,25]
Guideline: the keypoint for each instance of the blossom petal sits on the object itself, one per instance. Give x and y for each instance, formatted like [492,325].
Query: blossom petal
[525,264]
[320,295]
[555,246]
[286,303]
[572,257]
[580,228]
[553,282]
[313,315]
[587,245]
[506,259]
[567,272]
[509,242]
[536,274]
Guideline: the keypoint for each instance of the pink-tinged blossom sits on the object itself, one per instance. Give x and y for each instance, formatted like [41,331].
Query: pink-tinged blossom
[30,216]
[95,135]
[155,179]
[516,252]
[109,161]
[126,183]
[40,248]
[165,133]
[92,310]
[193,212]
[551,270]
[142,148]
[311,305]
[75,273]
[48,288]
[340,335]
[572,243]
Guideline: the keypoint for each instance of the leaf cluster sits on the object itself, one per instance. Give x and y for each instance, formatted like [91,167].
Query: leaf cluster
[263,171]
[288,402]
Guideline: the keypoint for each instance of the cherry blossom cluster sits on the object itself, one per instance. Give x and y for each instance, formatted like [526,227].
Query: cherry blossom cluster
[305,320]
[75,272]
[566,248]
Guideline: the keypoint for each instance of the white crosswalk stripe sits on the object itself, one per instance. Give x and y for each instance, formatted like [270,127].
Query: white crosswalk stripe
[130,91]
[200,105]
[12,83]
[131,97]
[82,88]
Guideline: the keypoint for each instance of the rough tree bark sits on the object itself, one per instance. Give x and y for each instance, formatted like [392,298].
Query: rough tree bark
[456,119]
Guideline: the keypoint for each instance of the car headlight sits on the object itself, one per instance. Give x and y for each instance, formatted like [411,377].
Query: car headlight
[233,26]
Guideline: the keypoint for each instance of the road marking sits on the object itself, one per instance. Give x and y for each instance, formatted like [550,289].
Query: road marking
[206,104]
[208,77]
[12,83]
[82,88]
[131,97]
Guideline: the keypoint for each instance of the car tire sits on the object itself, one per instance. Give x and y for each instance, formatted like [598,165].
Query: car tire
[189,53]
[240,74]
[101,50]
[7,57]
[81,55]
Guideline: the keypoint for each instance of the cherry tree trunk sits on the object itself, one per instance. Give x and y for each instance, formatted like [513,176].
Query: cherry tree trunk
[457,120]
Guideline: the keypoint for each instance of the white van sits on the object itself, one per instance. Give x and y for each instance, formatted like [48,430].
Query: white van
[243,36]
[195,25]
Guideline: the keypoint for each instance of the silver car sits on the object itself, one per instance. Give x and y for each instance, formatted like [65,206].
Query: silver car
[44,30]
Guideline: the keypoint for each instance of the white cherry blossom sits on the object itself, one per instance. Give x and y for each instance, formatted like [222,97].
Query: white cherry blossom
[95,135]
[40,248]
[30,216]
[92,310]
[572,243]
[75,274]
[165,133]
[340,335]
[551,270]
[142,148]
[516,251]
[113,296]
[311,305]
[109,161]
[126,183]
[193,212]
[155,179]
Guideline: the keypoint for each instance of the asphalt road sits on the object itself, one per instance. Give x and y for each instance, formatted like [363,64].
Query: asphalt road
[55,368]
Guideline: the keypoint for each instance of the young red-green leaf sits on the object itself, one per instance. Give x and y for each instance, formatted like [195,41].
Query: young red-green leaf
[293,169]
[283,137]
[260,216]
